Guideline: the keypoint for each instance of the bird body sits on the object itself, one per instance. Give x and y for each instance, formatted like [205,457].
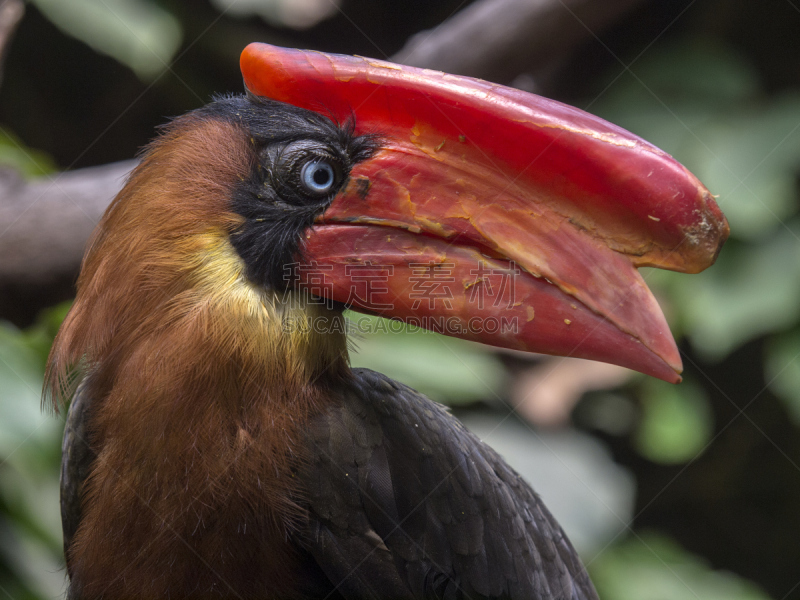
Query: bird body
[214,449]
[390,497]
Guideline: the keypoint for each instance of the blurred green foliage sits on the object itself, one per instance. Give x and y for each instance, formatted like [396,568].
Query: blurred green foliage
[650,566]
[446,369]
[783,370]
[695,96]
[676,422]
[30,452]
[16,155]
[138,33]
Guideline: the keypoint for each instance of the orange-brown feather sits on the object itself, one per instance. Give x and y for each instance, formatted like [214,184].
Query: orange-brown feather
[199,394]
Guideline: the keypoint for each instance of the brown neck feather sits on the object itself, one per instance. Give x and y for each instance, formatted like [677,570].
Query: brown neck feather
[198,393]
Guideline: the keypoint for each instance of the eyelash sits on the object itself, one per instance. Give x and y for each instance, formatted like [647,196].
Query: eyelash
[285,173]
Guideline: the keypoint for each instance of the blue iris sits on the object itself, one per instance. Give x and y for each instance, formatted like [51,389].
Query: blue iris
[317,176]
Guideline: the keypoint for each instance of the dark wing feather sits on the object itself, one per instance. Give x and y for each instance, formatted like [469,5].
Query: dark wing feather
[406,503]
[76,461]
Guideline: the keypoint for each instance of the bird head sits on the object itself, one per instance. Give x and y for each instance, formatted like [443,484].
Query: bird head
[445,201]
[515,220]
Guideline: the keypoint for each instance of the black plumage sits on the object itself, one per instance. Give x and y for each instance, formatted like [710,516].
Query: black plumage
[400,501]
[276,208]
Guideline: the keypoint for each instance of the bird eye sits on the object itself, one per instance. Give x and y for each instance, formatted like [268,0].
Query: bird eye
[317,176]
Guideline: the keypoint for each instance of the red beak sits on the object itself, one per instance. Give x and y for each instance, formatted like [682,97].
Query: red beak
[496,215]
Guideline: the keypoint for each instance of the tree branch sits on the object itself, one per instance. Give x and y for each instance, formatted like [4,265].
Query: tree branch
[44,226]
[500,39]
[46,222]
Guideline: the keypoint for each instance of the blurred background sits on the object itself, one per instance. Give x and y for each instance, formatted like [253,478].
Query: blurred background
[669,492]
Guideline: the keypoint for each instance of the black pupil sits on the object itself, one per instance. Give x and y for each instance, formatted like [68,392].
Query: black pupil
[321,176]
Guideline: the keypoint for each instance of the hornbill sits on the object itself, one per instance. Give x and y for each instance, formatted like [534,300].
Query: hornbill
[218,444]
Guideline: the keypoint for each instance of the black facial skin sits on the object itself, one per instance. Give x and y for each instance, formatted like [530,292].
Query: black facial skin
[277,206]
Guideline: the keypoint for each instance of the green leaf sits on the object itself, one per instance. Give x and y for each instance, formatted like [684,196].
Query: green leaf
[753,289]
[704,73]
[29,457]
[654,567]
[24,429]
[282,13]
[749,159]
[16,155]
[782,366]
[138,33]
[446,369]
[676,422]
[39,336]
